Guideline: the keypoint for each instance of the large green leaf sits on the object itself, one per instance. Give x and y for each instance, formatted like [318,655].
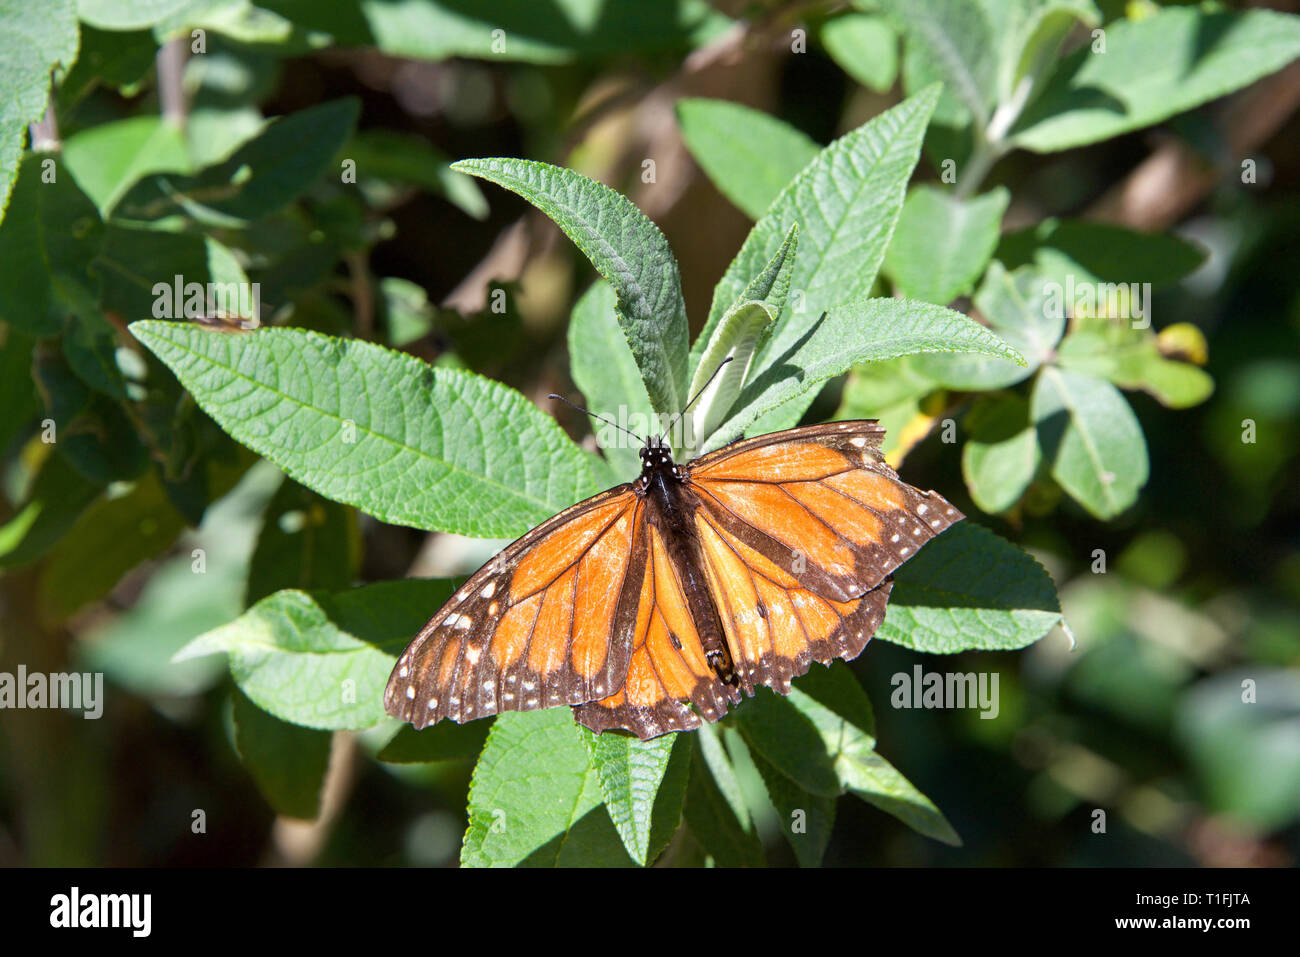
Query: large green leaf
[1092,439]
[969,589]
[536,800]
[131,14]
[323,661]
[30,47]
[846,202]
[747,154]
[943,243]
[835,703]
[865,331]
[627,249]
[1153,68]
[643,784]
[409,444]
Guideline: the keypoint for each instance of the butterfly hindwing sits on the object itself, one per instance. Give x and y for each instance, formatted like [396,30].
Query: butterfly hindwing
[775,627]
[544,623]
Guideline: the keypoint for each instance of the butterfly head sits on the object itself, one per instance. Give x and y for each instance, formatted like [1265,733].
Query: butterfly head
[656,453]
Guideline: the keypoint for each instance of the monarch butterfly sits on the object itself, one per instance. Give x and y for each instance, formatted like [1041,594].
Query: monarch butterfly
[656,604]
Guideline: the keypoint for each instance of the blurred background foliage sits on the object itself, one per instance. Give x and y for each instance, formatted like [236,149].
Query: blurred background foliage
[1201,581]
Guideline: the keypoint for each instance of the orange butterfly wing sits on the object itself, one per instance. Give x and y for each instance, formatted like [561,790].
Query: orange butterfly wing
[799,533]
[542,624]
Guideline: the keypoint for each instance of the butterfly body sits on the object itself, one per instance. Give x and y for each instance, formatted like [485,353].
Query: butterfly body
[670,507]
[656,605]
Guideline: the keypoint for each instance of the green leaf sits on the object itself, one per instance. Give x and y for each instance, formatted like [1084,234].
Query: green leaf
[739,336]
[408,444]
[865,47]
[949,41]
[1152,69]
[30,47]
[272,169]
[307,542]
[287,762]
[627,249]
[323,661]
[1015,306]
[879,783]
[557,32]
[58,496]
[1131,359]
[943,243]
[747,154]
[17,389]
[643,784]
[109,159]
[1031,35]
[444,741]
[1078,251]
[806,818]
[109,539]
[969,589]
[1091,438]
[775,730]
[388,155]
[535,799]
[130,14]
[605,372]
[50,234]
[865,331]
[846,203]
[726,835]
[835,703]
[1001,456]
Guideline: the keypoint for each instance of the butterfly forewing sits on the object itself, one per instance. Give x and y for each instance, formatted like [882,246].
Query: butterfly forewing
[545,623]
[821,504]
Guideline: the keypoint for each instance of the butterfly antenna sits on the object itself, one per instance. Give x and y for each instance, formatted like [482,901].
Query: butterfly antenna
[704,388]
[602,418]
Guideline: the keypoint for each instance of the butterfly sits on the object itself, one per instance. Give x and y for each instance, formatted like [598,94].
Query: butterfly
[655,605]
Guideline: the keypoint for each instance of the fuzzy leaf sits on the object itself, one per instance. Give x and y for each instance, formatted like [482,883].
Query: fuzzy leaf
[535,800]
[411,445]
[1092,439]
[969,589]
[627,249]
